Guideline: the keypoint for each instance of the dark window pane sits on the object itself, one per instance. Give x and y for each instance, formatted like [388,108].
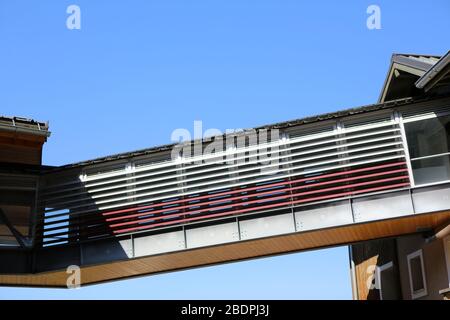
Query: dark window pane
[389,285]
[416,274]
[431,169]
[428,137]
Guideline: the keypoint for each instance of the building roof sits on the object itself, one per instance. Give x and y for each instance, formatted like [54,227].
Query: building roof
[438,74]
[421,62]
[408,74]
[280,125]
[404,70]
[24,125]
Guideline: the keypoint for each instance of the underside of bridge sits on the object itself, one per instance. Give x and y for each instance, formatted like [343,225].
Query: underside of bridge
[230,252]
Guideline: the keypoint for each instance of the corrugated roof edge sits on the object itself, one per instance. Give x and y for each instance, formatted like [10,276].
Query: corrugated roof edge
[280,125]
[433,71]
[23,124]
[406,59]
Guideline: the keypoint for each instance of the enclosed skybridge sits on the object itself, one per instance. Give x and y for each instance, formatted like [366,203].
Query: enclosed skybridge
[372,172]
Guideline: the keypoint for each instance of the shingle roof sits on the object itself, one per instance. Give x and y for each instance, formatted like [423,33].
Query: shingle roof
[410,67]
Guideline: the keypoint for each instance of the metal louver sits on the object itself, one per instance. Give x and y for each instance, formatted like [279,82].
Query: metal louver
[304,169]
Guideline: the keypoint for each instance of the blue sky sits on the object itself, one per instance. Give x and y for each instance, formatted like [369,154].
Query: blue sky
[137,70]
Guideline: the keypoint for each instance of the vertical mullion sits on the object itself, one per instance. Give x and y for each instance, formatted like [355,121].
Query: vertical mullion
[399,119]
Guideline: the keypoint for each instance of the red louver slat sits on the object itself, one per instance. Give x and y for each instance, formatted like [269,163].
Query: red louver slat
[285,193]
[260,201]
[312,185]
[257,188]
[399,185]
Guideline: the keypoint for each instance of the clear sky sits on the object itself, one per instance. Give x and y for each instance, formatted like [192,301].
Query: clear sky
[137,70]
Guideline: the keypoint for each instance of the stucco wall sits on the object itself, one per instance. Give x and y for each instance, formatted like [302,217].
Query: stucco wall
[434,263]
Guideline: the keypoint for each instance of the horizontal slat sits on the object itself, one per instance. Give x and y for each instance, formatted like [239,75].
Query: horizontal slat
[304,169]
[234,185]
[221,161]
[253,196]
[277,191]
[337,196]
[177,178]
[175,190]
[246,190]
[222,167]
[188,160]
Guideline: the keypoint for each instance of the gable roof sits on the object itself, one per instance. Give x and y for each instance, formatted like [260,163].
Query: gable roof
[404,71]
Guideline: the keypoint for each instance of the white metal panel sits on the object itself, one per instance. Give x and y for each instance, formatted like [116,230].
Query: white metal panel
[211,235]
[328,215]
[158,243]
[267,226]
[383,206]
[431,199]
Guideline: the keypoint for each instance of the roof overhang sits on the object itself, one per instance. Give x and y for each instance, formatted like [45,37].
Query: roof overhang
[24,126]
[404,71]
[435,75]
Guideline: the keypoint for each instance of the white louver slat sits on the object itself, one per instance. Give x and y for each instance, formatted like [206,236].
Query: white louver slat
[305,169]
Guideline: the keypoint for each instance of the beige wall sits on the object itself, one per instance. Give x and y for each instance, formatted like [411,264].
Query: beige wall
[434,264]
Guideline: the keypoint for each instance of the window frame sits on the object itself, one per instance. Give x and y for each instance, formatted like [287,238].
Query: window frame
[447,256]
[422,117]
[380,269]
[422,292]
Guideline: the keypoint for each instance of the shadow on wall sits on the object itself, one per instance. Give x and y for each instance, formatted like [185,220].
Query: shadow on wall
[71,230]
[376,267]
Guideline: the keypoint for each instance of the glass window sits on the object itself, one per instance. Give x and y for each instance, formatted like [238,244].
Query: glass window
[431,169]
[417,275]
[429,149]
[388,282]
[428,137]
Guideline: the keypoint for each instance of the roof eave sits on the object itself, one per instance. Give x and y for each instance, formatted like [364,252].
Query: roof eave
[433,72]
[36,132]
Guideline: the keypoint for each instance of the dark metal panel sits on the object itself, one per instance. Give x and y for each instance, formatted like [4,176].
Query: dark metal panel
[56,258]
[106,251]
[15,261]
